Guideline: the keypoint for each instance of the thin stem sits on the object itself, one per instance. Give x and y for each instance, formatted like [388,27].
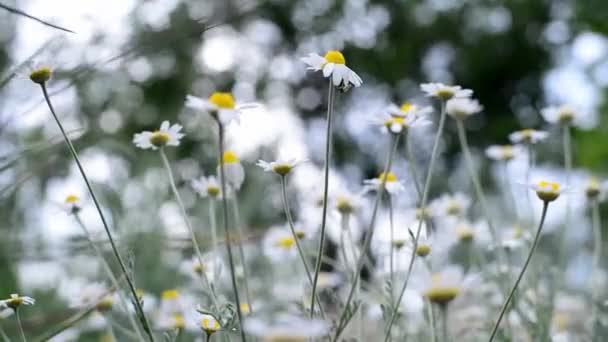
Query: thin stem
[227,233]
[182,208]
[412,165]
[240,237]
[4,336]
[509,187]
[121,263]
[110,274]
[431,318]
[391,249]
[330,109]
[567,146]
[444,327]
[111,332]
[296,239]
[20,325]
[523,270]
[368,238]
[425,193]
[597,256]
[215,246]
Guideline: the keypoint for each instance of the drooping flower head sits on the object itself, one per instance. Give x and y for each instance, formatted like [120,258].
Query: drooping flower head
[462,108]
[281,166]
[528,136]
[333,65]
[445,92]
[397,119]
[167,135]
[392,184]
[547,191]
[207,187]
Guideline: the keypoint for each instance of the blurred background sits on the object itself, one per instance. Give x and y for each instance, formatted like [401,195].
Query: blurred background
[130,64]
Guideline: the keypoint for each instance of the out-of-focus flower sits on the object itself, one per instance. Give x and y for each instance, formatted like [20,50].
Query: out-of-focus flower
[281,166]
[170,321]
[72,204]
[562,115]
[515,237]
[15,301]
[212,266]
[220,106]
[286,327]
[233,170]
[547,191]
[504,152]
[207,186]
[279,244]
[454,205]
[596,190]
[171,302]
[462,108]
[38,72]
[445,92]
[392,184]
[94,294]
[333,65]
[570,317]
[528,136]
[443,286]
[167,135]
[397,120]
[209,324]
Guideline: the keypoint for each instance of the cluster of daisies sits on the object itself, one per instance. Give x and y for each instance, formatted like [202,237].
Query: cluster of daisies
[428,269]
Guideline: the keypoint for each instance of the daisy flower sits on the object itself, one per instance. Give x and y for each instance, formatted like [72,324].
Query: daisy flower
[15,301]
[170,321]
[233,171]
[207,186]
[443,286]
[347,203]
[167,135]
[528,136]
[563,115]
[72,204]
[596,189]
[392,184]
[281,166]
[333,65]
[462,108]
[39,73]
[171,301]
[450,205]
[397,119]
[209,324]
[445,92]
[93,294]
[515,237]
[212,266]
[279,244]
[547,191]
[221,106]
[286,327]
[504,152]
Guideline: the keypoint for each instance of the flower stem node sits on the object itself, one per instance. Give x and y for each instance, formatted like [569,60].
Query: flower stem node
[41,75]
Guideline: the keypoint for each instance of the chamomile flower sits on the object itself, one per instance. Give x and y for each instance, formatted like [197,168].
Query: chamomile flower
[285,327]
[72,204]
[562,115]
[515,237]
[462,108]
[167,135]
[93,294]
[220,106]
[450,205]
[171,301]
[39,73]
[347,203]
[170,321]
[504,152]
[528,136]
[233,170]
[279,244]
[445,92]
[212,266]
[444,286]
[392,184]
[397,120]
[333,65]
[547,191]
[281,166]
[15,301]
[207,187]
[596,190]
[209,324]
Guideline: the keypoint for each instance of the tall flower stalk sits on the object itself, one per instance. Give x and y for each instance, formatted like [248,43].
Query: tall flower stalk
[109,273]
[240,237]
[597,257]
[330,109]
[20,325]
[342,322]
[425,193]
[182,208]
[227,232]
[214,243]
[123,268]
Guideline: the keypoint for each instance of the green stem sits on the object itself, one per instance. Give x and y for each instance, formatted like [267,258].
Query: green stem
[444,317]
[412,165]
[509,187]
[425,193]
[330,108]
[391,250]
[110,274]
[296,239]
[567,146]
[20,325]
[240,237]
[227,233]
[597,257]
[368,238]
[215,246]
[121,263]
[523,270]
[431,318]
[182,208]
[111,332]
[4,336]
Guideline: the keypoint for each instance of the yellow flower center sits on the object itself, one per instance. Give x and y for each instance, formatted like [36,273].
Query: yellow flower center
[518,232]
[286,242]
[593,188]
[335,57]
[506,152]
[399,120]
[390,177]
[222,100]
[41,75]
[245,308]
[344,205]
[454,208]
[527,133]
[230,157]
[565,114]
[178,321]
[105,304]
[423,250]
[442,295]
[282,169]
[398,243]
[300,234]
[14,302]
[170,294]
[445,94]
[159,138]
[213,191]
[198,268]
[547,191]
[547,184]
[465,233]
[210,325]
[406,107]
[71,199]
